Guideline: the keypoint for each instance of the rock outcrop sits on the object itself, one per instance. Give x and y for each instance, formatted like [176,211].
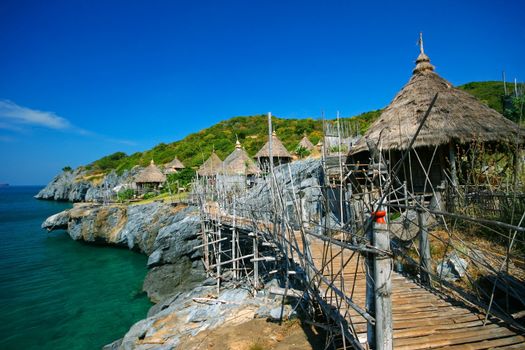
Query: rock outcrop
[185,315]
[300,184]
[81,186]
[165,233]
[64,188]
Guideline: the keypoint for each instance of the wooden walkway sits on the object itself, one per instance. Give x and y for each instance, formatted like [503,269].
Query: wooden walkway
[422,319]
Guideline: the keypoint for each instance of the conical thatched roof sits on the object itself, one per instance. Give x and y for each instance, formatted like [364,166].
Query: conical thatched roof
[150,174]
[239,163]
[278,149]
[457,116]
[175,164]
[315,153]
[306,144]
[211,166]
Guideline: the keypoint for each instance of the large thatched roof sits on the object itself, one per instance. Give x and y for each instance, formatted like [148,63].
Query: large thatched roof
[150,174]
[239,163]
[278,149]
[175,164]
[457,116]
[306,144]
[211,166]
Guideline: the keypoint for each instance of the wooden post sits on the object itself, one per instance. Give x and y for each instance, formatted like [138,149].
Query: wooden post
[370,299]
[219,253]
[234,243]
[234,252]
[453,176]
[383,285]
[405,193]
[255,262]
[452,160]
[206,247]
[424,249]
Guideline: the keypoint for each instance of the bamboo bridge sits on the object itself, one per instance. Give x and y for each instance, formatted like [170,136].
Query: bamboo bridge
[366,258]
[338,278]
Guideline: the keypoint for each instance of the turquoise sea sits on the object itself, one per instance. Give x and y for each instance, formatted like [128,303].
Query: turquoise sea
[56,293]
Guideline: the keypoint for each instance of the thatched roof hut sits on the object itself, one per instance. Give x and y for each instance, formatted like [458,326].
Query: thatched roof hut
[279,153]
[150,177]
[239,163]
[174,166]
[211,166]
[306,144]
[278,149]
[316,152]
[456,116]
[150,174]
[456,119]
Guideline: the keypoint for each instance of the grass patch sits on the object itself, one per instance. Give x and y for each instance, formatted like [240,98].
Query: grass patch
[164,197]
[256,346]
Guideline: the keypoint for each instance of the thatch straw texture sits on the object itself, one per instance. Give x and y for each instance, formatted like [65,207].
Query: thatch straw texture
[150,174]
[175,164]
[306,144]
[211,166]
[239,163]
[278,149]
[457,116]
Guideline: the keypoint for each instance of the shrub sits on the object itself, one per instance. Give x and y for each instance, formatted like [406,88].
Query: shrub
[125,195]
[149,195]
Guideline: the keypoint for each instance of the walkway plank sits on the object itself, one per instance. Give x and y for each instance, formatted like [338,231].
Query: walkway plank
[422,319]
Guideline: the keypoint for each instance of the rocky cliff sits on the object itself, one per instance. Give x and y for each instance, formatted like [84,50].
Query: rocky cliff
[81,186]
[165,233]
[186,302]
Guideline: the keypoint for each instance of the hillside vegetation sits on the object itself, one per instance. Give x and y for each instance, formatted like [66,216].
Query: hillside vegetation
[252,133]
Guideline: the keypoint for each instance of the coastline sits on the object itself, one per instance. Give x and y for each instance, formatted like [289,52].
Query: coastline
[186,303]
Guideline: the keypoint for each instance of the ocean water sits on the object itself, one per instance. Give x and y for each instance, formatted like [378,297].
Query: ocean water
[56,293]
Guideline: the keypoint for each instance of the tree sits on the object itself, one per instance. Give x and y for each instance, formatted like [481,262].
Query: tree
[302,152]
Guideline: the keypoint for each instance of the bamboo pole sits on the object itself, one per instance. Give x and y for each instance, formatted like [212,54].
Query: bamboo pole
[255,262]
[424,248]
[370,295]
[383,287]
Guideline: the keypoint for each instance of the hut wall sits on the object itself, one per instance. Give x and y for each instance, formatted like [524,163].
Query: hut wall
[231,183]
[415,166]
[264,162]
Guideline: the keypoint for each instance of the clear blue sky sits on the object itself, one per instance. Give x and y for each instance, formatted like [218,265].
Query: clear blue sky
[82,79]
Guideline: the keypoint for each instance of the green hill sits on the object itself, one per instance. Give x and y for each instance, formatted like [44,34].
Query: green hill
[252,131]
[488,92]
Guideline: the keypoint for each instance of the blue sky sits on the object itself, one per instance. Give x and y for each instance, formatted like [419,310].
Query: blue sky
[82,79]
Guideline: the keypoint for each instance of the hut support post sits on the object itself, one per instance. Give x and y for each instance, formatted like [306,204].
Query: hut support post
[452,160]
[424,249]
[382,287]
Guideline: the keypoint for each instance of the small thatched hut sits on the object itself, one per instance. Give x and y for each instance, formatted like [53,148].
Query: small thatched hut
[280,154]
[457,118]
[174,166]
[150,178]
[306,144]
[238,170]
[239,163]
[211,166]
